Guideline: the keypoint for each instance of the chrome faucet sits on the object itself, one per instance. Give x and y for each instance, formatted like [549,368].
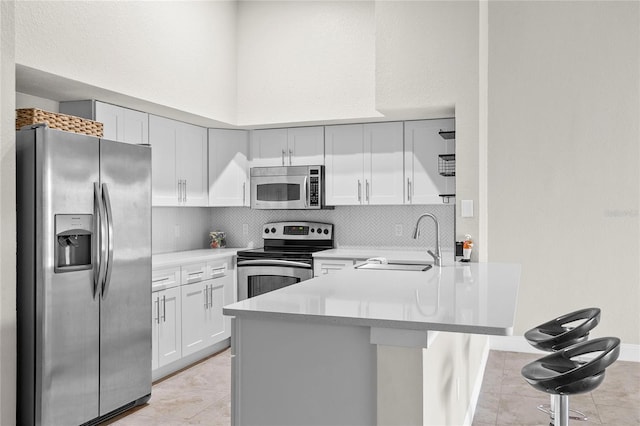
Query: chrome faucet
[437,256]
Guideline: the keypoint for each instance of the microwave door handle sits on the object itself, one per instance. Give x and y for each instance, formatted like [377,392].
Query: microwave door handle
[273,262]
[306,192]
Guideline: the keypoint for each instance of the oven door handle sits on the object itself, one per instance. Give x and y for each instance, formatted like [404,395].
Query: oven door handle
[273,262]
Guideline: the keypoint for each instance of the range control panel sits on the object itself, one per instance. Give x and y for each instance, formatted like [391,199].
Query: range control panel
[298,231]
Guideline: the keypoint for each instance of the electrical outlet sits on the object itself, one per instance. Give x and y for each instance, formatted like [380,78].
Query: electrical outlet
[398,230]
[245,229]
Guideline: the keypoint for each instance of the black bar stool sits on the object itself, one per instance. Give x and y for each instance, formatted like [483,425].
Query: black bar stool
[560,333]
[562,374]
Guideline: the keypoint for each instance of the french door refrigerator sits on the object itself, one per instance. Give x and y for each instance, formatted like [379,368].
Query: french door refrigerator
[84,277]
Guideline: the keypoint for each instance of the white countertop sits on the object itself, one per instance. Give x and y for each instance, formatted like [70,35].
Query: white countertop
[477,298]
[166,260]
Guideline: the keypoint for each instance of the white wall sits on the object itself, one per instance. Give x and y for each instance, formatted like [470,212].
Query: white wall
[305,61]
[427,61]
[564,114]
[7,216]
[177,54]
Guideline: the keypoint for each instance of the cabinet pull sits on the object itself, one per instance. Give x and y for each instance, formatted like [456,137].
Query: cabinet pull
[359,191]
[179,191]
[157,280]
[290,152]
[211,296]
[283,157]
[206,299]
[244,192]
[184,193]
[164,309]
[408,189]
[367,189]
[158,310]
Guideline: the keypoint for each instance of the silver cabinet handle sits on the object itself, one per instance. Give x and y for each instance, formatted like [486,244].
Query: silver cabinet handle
[211,295]
[367,189]
[290,153]
[206,299]
[184,193]
[283,156]
[158,310]
[109,219]
[359,191]
[164,308]
[244,192]
[408,189]
[179,191]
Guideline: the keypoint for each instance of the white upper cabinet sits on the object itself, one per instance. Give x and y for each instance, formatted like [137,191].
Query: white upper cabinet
[228,168]
[296,146]
[120,124]
[383,163]
[364,163]
[179,163]
[423,145]
[305,146]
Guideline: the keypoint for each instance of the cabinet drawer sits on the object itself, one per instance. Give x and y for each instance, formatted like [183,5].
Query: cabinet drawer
[218,269]
[194,273]
[165,278]
[324,267]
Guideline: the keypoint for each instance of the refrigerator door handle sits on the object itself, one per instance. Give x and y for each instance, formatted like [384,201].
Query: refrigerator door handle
[101,241]
[109,217]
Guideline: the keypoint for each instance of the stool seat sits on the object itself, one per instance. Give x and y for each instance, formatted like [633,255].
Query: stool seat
[555,335]
[560,374]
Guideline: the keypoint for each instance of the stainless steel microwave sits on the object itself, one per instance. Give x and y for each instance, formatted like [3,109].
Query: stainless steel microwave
[293,187]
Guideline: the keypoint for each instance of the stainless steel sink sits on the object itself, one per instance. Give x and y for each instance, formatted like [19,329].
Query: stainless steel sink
[396,266]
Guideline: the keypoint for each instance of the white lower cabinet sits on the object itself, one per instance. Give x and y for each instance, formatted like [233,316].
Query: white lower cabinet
[188,318]
[166,317]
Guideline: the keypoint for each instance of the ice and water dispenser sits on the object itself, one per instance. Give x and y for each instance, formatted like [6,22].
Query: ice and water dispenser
[73,242]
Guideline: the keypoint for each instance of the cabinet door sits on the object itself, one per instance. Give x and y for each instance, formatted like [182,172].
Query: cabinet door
[162,135]
[194,308]
[215,323]
[344,164]
[112,118]
[305,146]
[228,168]
[169,328]
[423,183]
[383,163]
[136,127]
[191,163]
[268,147]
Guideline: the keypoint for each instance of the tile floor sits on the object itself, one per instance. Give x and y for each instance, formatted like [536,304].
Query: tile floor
[201,394]
[506,399]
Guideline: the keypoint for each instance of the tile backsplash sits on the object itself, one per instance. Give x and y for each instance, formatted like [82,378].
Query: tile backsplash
[187,228]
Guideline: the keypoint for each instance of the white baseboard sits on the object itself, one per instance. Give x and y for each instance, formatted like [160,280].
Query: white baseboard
[628,352]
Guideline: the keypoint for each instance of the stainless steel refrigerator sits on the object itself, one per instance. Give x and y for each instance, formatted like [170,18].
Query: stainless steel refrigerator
[84,277]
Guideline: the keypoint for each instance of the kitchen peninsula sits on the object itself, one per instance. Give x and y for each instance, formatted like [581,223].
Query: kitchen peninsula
[365,347]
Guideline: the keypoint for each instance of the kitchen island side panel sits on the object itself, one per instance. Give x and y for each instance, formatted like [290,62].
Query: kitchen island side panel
[299,372]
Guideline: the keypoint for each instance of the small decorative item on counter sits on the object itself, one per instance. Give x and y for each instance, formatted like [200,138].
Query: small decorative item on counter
[467,246]
[217,239]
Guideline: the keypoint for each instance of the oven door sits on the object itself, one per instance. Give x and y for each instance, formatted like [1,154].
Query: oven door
[279,192]
[256,277]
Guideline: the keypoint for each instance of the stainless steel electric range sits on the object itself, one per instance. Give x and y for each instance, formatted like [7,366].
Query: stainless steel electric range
[285,259]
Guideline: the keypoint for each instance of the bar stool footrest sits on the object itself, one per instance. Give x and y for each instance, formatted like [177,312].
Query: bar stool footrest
[579,415]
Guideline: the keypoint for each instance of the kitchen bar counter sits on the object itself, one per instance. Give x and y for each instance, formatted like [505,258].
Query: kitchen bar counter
[466,298]
[367,347]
